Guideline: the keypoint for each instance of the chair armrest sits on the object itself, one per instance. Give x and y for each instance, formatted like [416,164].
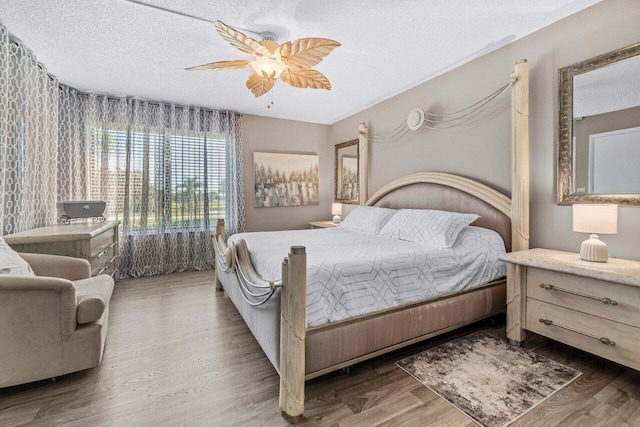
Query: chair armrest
[93,297]
[58,266]
[24,292]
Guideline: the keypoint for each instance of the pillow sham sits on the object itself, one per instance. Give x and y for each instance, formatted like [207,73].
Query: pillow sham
[427,227]
[12,263]
[367,219]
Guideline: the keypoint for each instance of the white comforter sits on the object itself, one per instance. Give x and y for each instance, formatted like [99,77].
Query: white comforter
[350,273]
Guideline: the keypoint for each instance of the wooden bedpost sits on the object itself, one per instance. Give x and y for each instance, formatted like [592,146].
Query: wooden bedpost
[520,158]
[293,326]
[219,232]
[220,228]
[519,199]
[363,159]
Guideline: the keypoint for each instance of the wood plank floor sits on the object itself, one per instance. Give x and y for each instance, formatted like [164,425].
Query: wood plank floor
[178,353]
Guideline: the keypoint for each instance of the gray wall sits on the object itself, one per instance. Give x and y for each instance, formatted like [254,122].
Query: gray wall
[483,153]
[277,135]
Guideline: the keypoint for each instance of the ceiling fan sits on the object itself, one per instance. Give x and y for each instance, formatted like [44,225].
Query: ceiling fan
[290,61]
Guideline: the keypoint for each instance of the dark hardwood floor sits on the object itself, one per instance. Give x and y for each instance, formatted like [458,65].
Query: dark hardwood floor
[178,353]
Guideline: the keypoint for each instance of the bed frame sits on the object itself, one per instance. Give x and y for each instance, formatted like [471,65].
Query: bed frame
[300,353]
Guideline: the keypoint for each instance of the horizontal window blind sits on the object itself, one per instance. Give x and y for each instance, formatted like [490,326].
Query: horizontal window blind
[165,181]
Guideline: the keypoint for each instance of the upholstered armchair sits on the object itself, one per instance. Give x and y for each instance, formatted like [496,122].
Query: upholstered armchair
[53,323]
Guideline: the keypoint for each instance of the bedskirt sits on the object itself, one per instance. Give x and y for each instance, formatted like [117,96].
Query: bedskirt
[352,341]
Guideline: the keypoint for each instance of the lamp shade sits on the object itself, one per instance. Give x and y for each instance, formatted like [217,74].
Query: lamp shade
[267,67]
[336,209]
[598,219]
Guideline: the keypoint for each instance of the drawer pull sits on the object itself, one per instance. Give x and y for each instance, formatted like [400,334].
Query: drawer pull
[603,340]
[102,270]
[99,254]
[605,301]
[112,260]
[104,251]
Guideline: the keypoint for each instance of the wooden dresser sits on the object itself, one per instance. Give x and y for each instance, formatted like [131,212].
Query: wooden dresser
[95,242]
[592,306]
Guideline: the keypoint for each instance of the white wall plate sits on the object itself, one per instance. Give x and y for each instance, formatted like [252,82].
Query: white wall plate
[415,119]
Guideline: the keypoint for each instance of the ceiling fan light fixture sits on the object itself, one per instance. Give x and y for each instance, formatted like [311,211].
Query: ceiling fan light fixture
[290,61]
[268,68]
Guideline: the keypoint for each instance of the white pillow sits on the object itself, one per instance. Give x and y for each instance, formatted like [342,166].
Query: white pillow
[11,263]
[427,227]
[367,219]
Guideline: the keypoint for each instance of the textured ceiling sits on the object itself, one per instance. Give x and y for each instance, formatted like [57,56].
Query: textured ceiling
[121,48]
[608,89]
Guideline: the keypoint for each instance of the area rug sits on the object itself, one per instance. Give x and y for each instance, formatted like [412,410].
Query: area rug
[490,381]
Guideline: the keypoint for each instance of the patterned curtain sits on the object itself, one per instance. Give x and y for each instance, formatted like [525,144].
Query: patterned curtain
[234,213]
[73,147]
[165,172]
[28,139]
[168,172]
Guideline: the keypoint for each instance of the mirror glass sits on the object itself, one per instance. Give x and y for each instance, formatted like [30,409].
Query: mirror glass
[606,129]
[599,129]
[346,182]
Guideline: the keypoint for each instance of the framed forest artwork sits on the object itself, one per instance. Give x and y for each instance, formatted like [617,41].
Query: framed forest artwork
[285,179]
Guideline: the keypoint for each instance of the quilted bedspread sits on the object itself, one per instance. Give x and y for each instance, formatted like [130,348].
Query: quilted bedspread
[351,273]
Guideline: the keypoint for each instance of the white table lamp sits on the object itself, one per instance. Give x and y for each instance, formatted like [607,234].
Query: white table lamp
[336,211]
[595,219]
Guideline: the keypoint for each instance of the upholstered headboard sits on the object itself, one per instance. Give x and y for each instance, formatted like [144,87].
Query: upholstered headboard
[447,192]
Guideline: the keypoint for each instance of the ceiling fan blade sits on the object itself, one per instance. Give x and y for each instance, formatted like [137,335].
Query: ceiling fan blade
[306,53]
[221,65]
[270,45]
[305,78]
[240,41]
[259,85]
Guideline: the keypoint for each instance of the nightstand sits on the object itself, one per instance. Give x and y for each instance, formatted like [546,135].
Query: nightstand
[323,224]
[592,306]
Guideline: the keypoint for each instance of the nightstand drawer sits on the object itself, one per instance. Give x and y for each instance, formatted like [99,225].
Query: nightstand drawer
[612,340]
[612,301]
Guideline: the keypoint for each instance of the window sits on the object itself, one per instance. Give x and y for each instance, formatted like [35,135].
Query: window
[159,181]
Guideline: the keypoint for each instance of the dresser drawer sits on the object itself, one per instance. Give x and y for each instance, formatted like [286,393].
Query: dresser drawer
[104,253]
[102,239]
[104,264]
[612,301]
[585,332]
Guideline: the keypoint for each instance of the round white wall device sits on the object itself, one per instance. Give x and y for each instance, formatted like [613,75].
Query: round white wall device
[415,119]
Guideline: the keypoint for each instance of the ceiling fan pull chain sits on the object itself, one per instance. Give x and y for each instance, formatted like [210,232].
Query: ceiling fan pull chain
[270,97]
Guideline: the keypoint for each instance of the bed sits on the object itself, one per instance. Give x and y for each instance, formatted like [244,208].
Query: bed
[289,306]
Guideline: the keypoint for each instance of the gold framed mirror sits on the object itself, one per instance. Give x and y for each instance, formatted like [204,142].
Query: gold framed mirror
[599,129]
[347,173]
